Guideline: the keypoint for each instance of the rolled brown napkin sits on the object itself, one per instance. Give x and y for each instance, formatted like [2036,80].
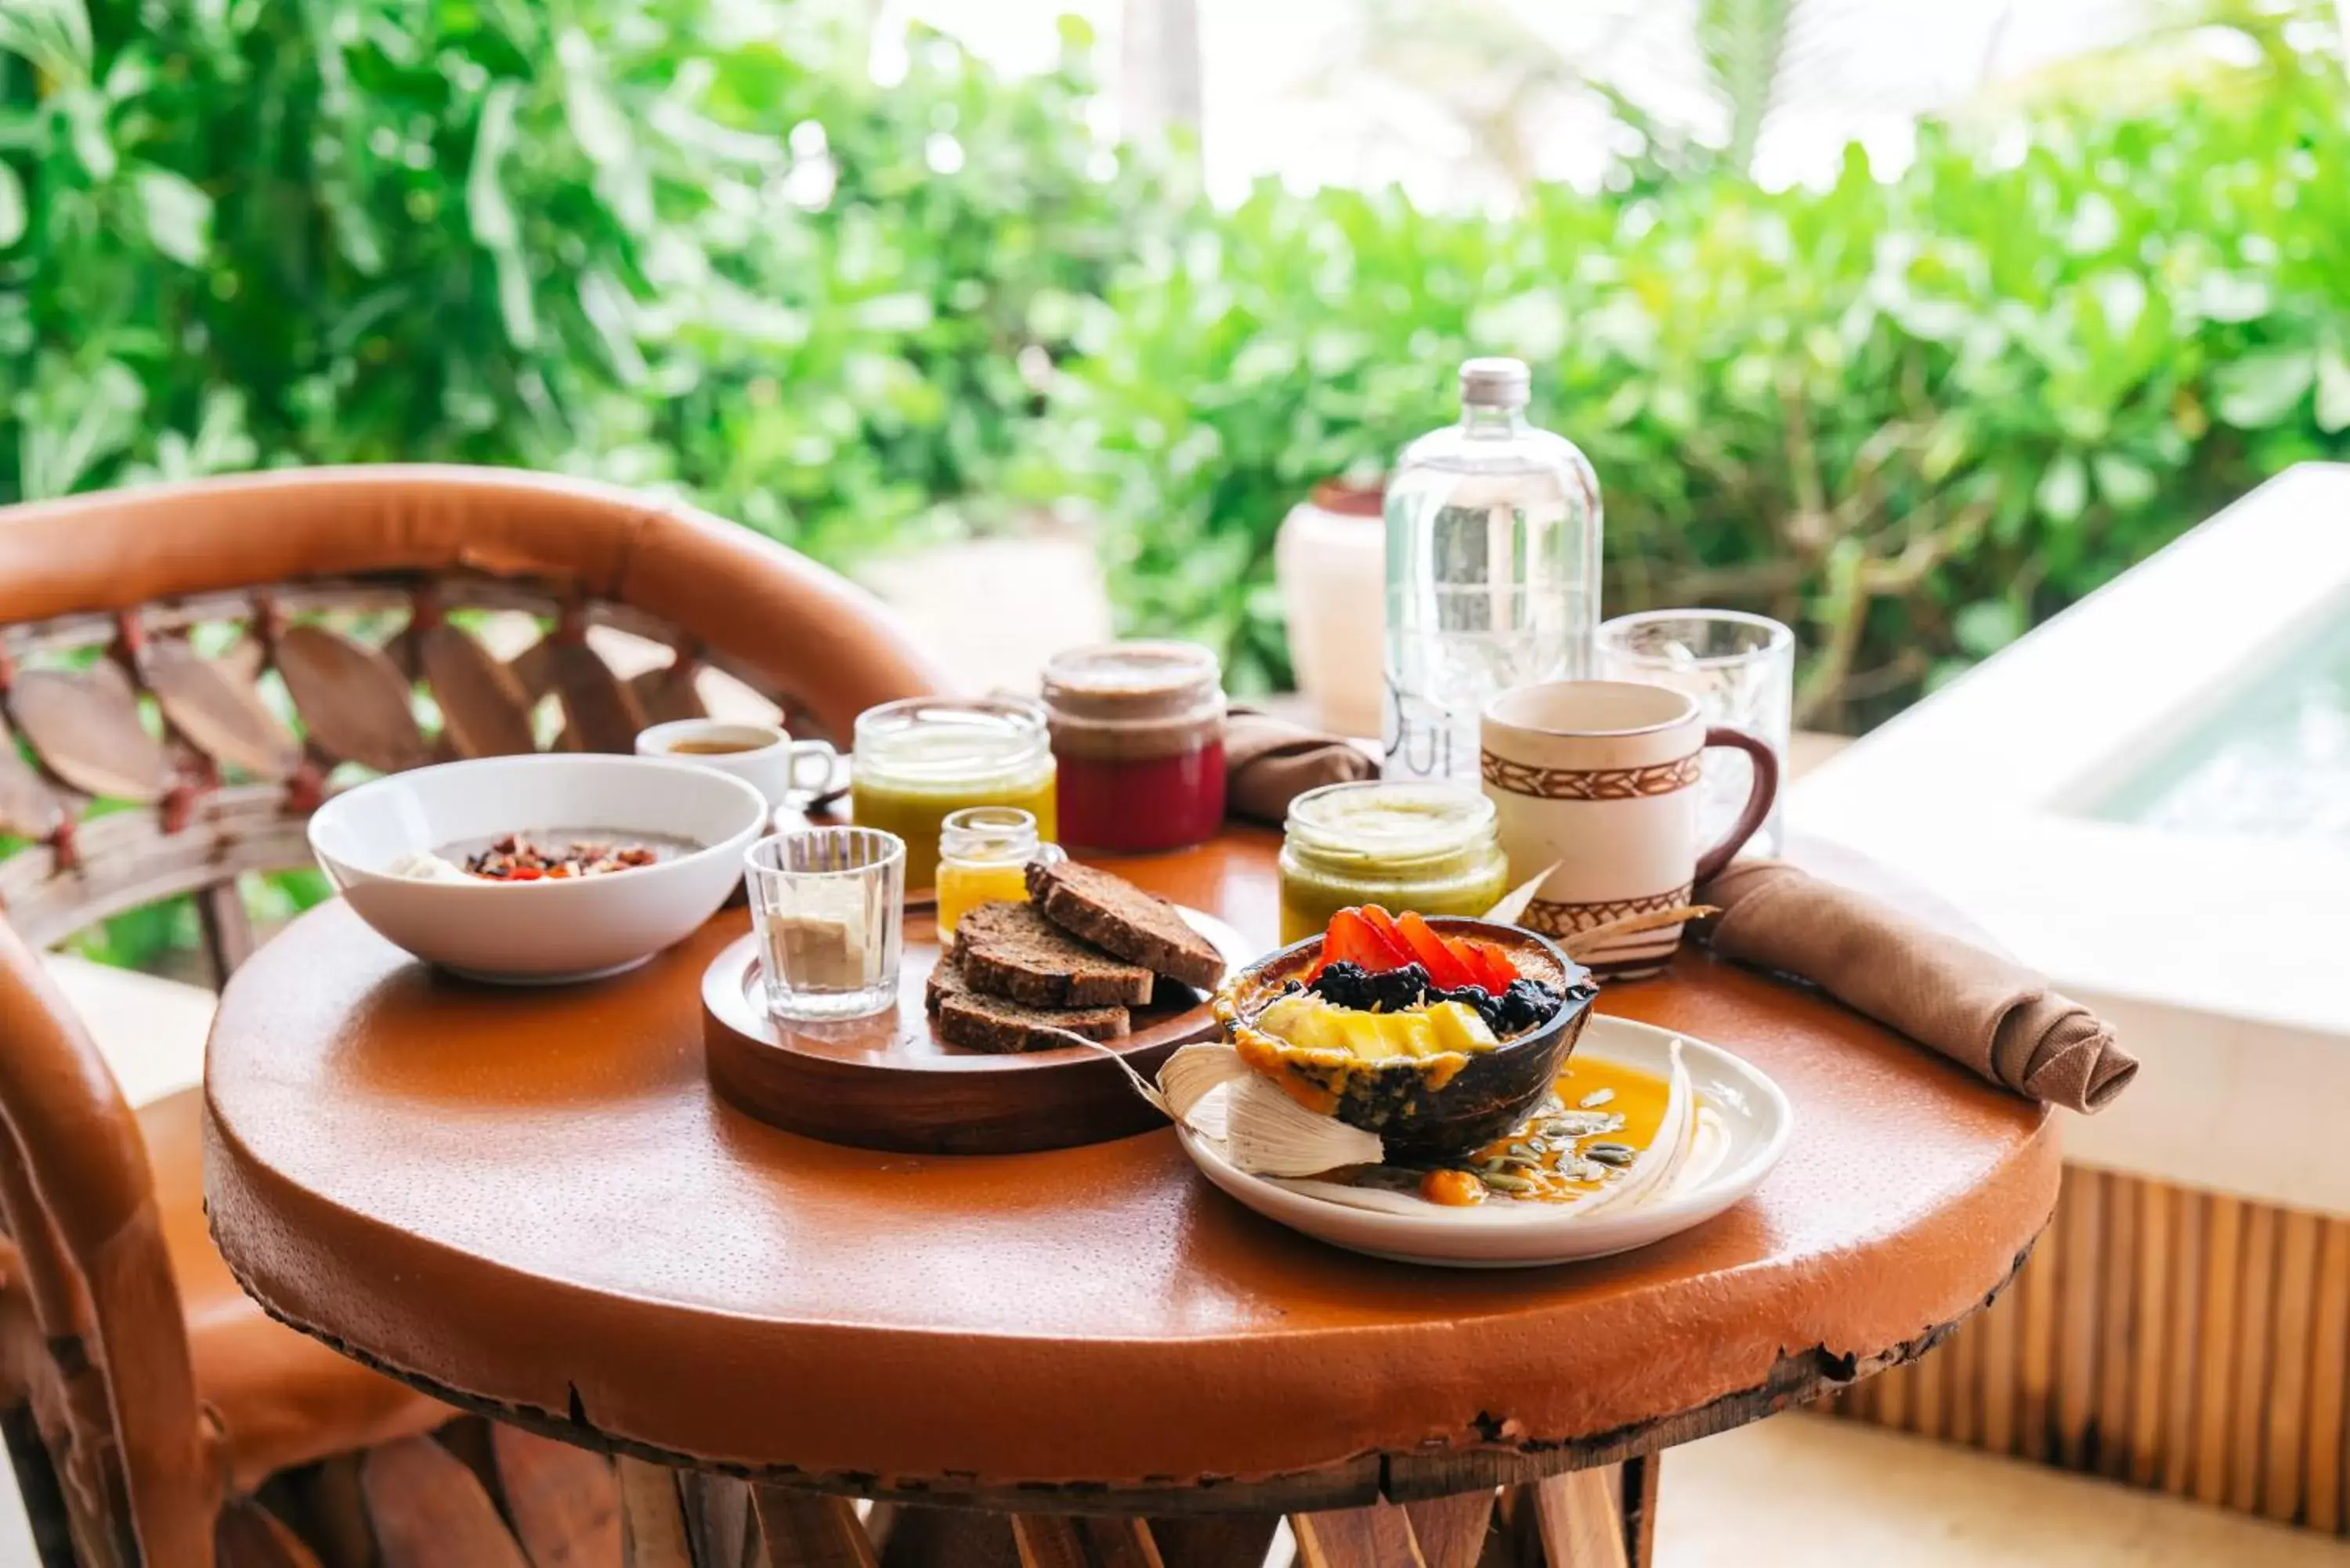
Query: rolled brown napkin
[1987,1012]
[1270,762]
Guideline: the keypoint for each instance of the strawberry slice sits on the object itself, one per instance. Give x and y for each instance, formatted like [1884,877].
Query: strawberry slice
[1384,925]
[1351,939]
[1494,967]
[1432,953]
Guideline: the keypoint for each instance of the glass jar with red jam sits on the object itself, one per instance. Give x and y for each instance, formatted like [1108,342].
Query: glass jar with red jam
[1139,736]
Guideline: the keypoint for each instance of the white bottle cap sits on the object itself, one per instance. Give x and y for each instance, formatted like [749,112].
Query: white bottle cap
[1494,383]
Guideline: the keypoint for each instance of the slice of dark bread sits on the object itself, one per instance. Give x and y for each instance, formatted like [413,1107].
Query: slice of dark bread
[1010,950]
[978,1022]
[1114,915]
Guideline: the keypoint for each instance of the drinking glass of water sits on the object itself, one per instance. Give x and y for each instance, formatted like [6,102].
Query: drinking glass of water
[1741,669]
[829,906]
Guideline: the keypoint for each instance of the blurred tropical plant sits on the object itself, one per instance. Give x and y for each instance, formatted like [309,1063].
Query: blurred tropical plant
[671,242]
[1694,84]
[1910,416]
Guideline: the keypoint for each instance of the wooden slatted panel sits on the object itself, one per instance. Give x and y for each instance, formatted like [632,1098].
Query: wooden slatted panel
[2081,1223]
[2224,1247]
[2117,1327]
[1962,1368]
[2150,1291]
[2035,1305]
[2247,1418]
[1927,1389]
[1999,1329]
[2177,1339]
[2289,1357]
[2329,1373]
[2182,1373]
[1894,1398]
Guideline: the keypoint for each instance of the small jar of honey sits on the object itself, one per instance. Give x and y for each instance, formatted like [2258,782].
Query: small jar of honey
[1428,847]
[983,855]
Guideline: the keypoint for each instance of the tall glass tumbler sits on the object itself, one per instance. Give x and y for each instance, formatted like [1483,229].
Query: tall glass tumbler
[829,908]
[1741,669]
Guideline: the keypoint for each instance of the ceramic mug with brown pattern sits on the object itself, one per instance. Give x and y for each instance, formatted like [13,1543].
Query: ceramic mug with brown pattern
[1598,779]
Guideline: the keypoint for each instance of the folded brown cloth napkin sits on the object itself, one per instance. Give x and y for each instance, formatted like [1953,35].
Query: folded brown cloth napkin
[1987,1012]
[1270,762]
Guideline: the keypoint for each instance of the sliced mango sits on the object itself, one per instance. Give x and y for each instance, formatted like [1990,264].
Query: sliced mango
[1457,1028]
[1311,1023]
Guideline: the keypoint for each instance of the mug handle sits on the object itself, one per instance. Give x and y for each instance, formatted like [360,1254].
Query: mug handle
[824,756]
[1759,798]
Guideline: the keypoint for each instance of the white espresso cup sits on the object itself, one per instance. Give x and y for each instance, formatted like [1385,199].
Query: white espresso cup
[1598,780]
[764,756]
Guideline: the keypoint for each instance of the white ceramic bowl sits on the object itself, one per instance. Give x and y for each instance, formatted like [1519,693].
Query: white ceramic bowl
[544,931]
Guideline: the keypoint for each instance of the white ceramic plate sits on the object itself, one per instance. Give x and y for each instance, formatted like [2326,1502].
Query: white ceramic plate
[539,933]
[1743,1123]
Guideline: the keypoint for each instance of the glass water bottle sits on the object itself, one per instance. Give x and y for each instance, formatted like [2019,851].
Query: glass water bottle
[1493,571]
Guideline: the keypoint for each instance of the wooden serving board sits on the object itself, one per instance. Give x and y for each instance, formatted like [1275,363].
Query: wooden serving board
[888,1082]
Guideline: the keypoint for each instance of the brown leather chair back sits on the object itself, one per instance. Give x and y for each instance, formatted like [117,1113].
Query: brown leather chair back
[103,1365]
[127,574]
[341,584]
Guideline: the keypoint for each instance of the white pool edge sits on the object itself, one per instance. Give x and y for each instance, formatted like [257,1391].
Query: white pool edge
[2225,963]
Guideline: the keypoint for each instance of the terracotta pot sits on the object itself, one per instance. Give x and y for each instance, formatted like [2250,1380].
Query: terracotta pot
[1330,560]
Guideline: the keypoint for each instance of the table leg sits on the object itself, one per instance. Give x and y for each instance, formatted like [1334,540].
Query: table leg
[1215,1540]
[1602,1518]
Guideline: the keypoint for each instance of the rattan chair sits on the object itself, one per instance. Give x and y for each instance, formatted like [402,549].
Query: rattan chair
[184,671]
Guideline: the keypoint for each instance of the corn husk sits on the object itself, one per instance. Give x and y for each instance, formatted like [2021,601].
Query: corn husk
[1513,903]
[1266,1133]
[1187,1077]
[1210,1089]
[1583,943]
[1655,1170]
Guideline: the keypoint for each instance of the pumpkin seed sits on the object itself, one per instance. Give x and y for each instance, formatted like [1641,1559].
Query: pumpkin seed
[1509,1183]
[1616,1154]
[1596,1098]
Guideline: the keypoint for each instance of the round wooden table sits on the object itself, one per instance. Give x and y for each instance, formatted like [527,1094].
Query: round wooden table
[530,1203]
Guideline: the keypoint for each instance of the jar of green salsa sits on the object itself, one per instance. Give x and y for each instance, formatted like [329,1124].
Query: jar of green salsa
[1427,848]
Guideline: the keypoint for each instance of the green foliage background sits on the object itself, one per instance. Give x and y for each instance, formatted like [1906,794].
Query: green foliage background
[1909,416]
[686,244]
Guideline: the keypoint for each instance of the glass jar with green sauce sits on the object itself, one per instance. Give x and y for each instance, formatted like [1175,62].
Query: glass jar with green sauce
[1427,848]
[920,760]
